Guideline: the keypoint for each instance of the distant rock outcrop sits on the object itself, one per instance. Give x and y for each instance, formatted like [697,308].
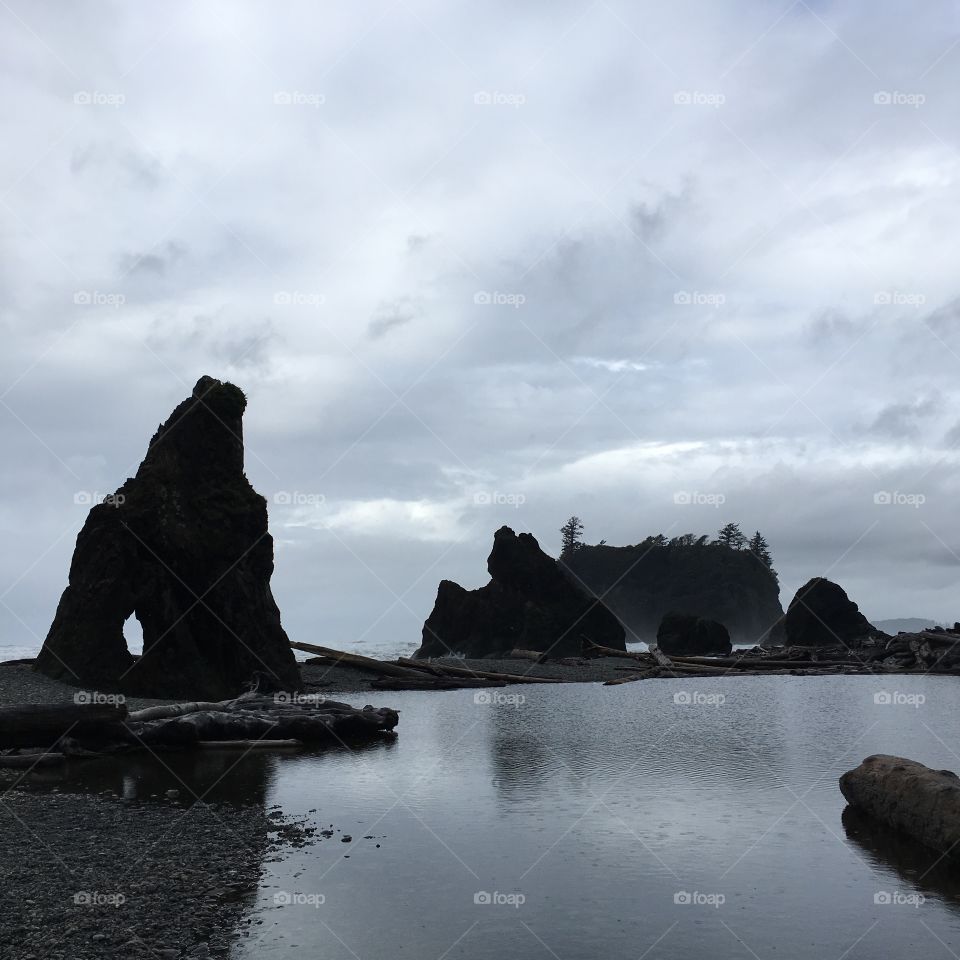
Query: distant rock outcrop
[822,615]
[184,546]
[904,625]
[684,635]
[644,582]
[529,603]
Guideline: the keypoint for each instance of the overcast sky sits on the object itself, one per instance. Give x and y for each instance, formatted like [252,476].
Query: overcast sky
[487,264]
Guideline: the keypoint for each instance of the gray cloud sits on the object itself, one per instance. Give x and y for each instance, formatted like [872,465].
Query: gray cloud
[716,263]
[389,316]
[903,420]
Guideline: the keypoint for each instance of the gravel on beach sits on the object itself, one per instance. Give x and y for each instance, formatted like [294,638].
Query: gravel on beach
[88,877]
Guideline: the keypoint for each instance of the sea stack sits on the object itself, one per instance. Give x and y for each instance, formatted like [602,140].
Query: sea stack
[530,603]
[822,615]
[184,546]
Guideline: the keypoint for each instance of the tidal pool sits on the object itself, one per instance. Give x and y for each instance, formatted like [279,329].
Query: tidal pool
[661,819]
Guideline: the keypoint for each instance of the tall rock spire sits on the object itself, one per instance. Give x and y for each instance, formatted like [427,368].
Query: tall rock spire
[184,546]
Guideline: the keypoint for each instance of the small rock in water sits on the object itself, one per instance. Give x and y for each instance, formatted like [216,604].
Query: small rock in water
[346,838]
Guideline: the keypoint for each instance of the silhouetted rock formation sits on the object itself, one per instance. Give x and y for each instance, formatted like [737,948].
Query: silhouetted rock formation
[821,614]
[644,582]
[684,635]
[529,603]
[184,546]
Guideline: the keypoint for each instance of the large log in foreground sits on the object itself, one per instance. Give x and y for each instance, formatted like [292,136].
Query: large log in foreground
[91,731]
[43,726]
[904,794]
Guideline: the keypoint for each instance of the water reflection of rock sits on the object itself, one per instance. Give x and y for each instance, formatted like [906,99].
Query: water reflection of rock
[923,868]
[570,734]
[235,776]
[211,775]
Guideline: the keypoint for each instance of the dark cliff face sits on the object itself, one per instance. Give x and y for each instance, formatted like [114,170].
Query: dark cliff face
[184,546]
[685,635]
[530,603]
[643,583]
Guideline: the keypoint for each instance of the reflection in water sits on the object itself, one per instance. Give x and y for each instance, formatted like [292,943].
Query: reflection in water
[237,776]
[677,729]
[613,812]
[214,776]
[923,869]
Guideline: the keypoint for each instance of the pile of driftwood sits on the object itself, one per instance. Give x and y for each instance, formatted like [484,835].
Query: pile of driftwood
[31,735]
[407,674]
[931,651]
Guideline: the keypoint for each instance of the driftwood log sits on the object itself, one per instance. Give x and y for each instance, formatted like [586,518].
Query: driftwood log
[428,682]
[407,674]
[45,725]
[382,668]
[934,651]
[91,730]
[904,794]
[591,650]
[446,669]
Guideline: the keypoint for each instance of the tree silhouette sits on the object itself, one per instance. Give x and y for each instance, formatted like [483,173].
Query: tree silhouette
[731,536]
[759,547]
[571,534]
